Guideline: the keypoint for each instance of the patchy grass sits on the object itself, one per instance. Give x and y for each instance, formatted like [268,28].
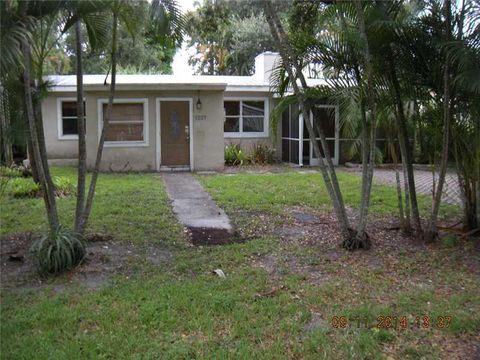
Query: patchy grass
[132,207]
[272,192]
[282,287]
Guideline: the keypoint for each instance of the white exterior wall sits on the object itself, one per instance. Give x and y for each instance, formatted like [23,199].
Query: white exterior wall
[207,133]
[56,147]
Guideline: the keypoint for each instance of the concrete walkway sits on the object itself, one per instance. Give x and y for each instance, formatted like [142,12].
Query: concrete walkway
[192,204]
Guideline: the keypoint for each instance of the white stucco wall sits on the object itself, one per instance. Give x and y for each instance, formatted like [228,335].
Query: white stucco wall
[56,148]
[207,132]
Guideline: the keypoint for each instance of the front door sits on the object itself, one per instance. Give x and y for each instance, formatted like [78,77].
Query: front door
[175,133]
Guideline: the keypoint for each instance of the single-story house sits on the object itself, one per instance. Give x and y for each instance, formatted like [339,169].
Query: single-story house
[177,121]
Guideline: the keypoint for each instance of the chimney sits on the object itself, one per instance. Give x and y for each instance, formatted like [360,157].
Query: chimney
[264,64]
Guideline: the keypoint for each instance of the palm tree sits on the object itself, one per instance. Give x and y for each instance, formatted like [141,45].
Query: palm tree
[168,23]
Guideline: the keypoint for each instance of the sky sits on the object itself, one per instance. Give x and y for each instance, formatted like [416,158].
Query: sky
[180,61]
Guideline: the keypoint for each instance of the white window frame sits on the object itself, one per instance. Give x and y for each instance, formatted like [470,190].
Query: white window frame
[60,135]
[242,134]
[144,142]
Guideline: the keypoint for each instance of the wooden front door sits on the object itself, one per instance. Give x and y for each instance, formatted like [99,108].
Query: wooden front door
[175,133]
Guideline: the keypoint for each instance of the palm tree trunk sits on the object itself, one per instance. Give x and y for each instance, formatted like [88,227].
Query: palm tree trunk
[405,148]
[290,63]
[368,152]
[447,114]
[82,146]
[399,188]
[42,168]
[96,169]
[7,153]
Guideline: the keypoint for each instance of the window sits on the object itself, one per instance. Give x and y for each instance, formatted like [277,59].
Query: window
[245,118]
[67,121]
[128,124]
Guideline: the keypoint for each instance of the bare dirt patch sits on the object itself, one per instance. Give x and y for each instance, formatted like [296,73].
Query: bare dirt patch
[309,247]
[104,259]
[211,236]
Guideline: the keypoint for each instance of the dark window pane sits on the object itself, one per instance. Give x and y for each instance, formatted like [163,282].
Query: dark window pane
[231,125]
[294,122]
[306,153]
[285,124]
[232,107]
[124,132]
[331,148]
[70,126]
[326,116]
[253,108]
[306,134]
[252,124]
[69,108]
[286,150]
[294,151]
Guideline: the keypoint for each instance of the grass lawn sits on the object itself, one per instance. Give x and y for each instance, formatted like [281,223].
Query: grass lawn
[280,294]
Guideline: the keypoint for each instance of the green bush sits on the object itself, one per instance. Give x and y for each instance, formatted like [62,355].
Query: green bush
[58,251]
[450,241]
[234,155]
[262,154]
[12,171]
[21,187]
[63,186]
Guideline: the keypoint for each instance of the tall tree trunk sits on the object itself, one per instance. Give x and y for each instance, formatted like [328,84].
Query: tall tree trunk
[7,153]
[42,168]
[37,108]
[405,148]
[96,169]
[401,214]
[368,152]
[447,114]
[290,64]
[31,157]
[82,146]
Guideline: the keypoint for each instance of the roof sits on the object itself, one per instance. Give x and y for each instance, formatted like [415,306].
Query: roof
[67,83]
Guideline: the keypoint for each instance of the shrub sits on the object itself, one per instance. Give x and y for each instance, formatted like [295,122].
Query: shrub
[450,241]
[24,188]
[262,154]
[58,251]
[63,186]
[14,171]
[234,155]
[21,187]
[10,171]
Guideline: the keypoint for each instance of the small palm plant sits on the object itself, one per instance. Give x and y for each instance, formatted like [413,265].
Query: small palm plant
[58,251]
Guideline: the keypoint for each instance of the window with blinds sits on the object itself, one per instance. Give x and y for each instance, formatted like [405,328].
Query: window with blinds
[126,122]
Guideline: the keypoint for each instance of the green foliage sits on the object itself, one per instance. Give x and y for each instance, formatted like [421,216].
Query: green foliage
[262,154]
[12,171]
[234,155]
[58,251]
[227,35]
[20,187]
[140,50]
[450,241]
[63,186]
